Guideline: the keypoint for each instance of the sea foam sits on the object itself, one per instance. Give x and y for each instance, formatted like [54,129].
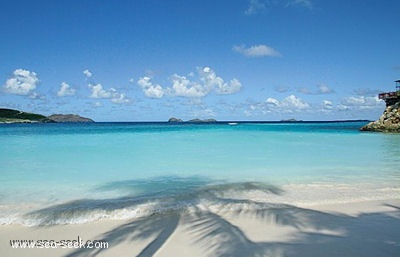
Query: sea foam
[233,197]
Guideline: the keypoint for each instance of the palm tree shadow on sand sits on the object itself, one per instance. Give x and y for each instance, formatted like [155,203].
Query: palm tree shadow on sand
[202,208]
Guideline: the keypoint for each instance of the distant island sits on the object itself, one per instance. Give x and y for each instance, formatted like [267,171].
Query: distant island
[291,120]
[16,116]
[176,120]
[68,118]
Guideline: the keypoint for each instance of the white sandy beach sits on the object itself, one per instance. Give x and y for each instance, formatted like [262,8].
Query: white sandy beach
[370,228]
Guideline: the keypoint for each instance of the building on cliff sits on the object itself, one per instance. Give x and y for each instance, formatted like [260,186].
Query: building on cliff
[391,97]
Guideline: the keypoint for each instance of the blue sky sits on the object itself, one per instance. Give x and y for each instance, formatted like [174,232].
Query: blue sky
[223,59]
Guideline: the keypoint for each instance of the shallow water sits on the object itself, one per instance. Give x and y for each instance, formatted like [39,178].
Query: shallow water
[85,172]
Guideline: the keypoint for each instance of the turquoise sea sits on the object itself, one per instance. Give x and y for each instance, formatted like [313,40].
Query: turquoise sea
[76,173]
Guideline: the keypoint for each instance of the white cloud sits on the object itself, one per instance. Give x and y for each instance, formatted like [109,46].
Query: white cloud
[324,89]
[181,86]
[362,102]
[149,89]
[87,73]
[230,88]
[342,107]
[212,81]
[354,100]
[198,86]
[355,106]
[361,106]
[255,6]
[289,104]
[99,92]
[22,82]
[272,102]
[256,51]
[327,105]
[119,98]
[66,90]
[294,103]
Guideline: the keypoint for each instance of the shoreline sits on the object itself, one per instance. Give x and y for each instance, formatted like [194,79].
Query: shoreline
[365,228]
[247,195]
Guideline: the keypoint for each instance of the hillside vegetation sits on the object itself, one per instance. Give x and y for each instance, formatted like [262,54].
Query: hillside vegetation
[16,116]
[10,115]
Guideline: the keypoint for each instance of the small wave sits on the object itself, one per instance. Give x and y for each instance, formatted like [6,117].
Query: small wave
[237,197]
[176,200]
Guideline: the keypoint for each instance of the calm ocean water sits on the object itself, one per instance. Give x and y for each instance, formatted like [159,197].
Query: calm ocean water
[74,173]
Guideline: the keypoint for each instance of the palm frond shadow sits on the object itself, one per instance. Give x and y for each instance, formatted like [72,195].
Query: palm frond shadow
[368,234]
[218,236]
[283,214]
[158,227]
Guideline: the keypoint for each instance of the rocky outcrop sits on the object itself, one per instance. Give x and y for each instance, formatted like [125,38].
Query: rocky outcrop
[174,120]
[388,122]
[69,118]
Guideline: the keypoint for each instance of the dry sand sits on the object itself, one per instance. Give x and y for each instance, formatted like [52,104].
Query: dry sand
[367,229]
